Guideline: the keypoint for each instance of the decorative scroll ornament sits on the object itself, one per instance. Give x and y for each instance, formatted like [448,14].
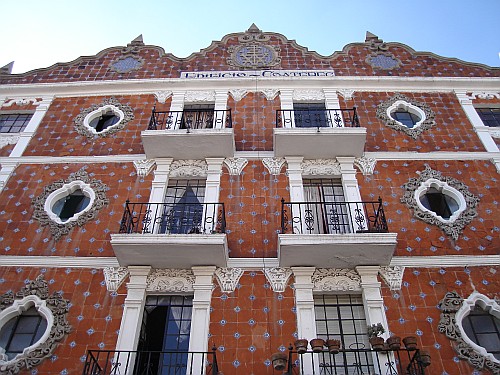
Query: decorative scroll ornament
[235,165]
[199,96]
[383,60]
[134,46]
[162,96]
[365,165]
[21,102]
[426,123]
[336,280]
[170,281]
[484,95]
[273,165]
[8,140]
[451,228]
[238,94]
[346,93]
[270,94]
[85,130]
[308,95]
[228,278]
[375,43]
[452,305]
[393,276]
[188,168]
[278,277]
[321,167]
[60,229]
[114,277]
[36,292]
[144,167]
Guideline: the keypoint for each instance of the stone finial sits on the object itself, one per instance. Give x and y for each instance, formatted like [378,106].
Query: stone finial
[253,29]
[138,40]
[7,69]
[370,37]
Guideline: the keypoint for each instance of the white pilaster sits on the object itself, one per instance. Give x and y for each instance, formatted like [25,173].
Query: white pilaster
[220,105]
[294,173]
[160,180]
[212,190]
[177,104]
[286,100]
[372,297]
[332,105]
[351,192]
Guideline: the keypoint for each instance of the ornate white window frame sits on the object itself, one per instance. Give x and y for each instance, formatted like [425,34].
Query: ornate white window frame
[454,309]
[53,308]
[408,107]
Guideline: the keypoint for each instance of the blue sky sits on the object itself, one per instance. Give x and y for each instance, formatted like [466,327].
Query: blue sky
[37,34]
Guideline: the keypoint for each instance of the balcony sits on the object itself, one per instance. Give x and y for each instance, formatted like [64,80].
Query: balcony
[172,235]
[110,362]
[318,134]
[334,234]
[189,134]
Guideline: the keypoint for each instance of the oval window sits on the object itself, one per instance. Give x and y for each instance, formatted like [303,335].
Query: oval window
[67,207]
[441,204]
[104,121]
[483,328]
[406,118]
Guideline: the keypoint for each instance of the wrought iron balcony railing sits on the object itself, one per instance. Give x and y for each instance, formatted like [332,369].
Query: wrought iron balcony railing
[190,119]
[317,118]
[356,361]
[173,218]
[332,217]
[110,362]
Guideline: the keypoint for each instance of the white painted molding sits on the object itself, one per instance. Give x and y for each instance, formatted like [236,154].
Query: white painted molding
[8,139]
[439,155]
[57,262]
[73,159]
[273,165]
[228,278]
[162,96]
[446,261]
[308,95]
[321,167]
[235,165]
[336,280]
[170,281]
[188,168]
[278,277]
[21,101]
[199,96]
[253,264]
[144,167]
[114,277]
[393,276]
[484,95]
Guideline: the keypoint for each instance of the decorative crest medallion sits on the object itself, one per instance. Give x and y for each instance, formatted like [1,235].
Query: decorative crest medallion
[321,167]
[170,281]
[336,280]
[188,168]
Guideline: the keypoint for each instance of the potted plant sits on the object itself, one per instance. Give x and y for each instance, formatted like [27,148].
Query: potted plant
[279,360]
[301,346]
[410,342]
[424,358]
[317,345]
[394,342]
[333,346]
[374,333]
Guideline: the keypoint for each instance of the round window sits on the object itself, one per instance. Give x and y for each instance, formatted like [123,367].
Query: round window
[483,328]
[441,204]
[104,121]
[67,207]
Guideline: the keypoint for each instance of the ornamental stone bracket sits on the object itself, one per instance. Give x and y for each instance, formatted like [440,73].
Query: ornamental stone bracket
[270,94]
[8,140]
[114,277]
[235,165]
[451,228]
[237,94]
[60,229]
[144,167]
[484,95]
[392,276]
[414,132]
[37,292]
[321,167]
[228,278]
[188,168]
[346,93]
[162,96]
[365,165]
[450,306]
[22,101]
[278,278]
[170,281]
[273,165]
[336,280]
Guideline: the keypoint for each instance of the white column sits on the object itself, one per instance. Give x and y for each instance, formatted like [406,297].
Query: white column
[212,190]
[130,327]
[482,131]
[221,106]
[200,318]
[26,135]
[294,173]
[352,194]
[286,100]
[306,318]
[177,104]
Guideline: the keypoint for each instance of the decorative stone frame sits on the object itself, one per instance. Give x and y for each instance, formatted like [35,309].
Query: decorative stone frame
[400,101]
[454,309]
[56,190]
[456,189]
[82,121]
[53,308]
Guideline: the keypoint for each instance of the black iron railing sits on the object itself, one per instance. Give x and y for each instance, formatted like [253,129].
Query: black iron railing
[173,218]
[317,118]
[190,119]
[110,362]
[332,217]
[356,361]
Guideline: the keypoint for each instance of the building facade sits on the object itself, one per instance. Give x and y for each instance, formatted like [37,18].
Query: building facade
[165,215]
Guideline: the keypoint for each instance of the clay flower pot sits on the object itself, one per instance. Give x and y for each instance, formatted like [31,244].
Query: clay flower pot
[301,346]
[333,346]
[279,361]
[317,345]
[425,358]
[394,342]
[410,342]
[377,343]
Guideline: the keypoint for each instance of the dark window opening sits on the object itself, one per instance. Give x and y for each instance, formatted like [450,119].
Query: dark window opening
[21,332]
[408,119]
[490,116]
[483,328]
[14,123]
[104,121]
[310,115]
[441,204]
[198,116]
[70,205]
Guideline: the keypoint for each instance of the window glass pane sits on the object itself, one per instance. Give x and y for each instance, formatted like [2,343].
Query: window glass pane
[6,332]
[489,341]
[27,324]
[482,324]
[19,342]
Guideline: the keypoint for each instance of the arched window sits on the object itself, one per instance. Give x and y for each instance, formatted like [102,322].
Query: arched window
[483,329]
